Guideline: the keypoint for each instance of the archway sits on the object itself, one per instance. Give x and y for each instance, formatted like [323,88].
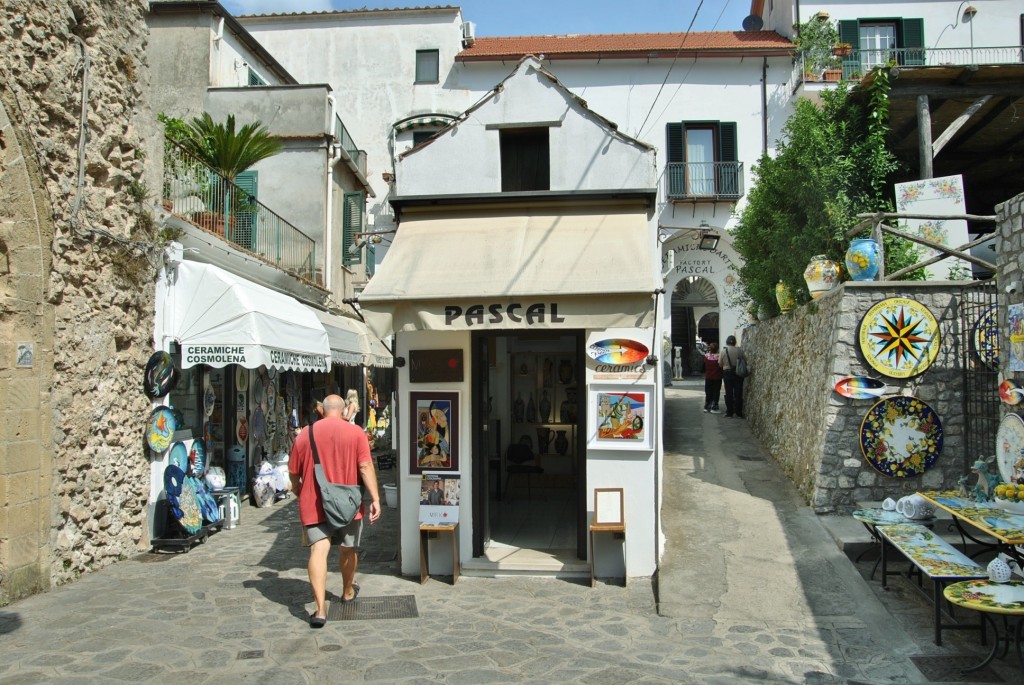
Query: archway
[694,316]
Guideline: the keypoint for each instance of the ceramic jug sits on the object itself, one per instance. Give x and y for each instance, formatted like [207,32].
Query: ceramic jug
[914,507]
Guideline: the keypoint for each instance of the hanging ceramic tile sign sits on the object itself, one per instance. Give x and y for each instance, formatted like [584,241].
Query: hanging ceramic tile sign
[899,337]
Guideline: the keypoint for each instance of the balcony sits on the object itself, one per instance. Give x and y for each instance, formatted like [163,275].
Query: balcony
[204,198]
[704,181]
[859,62]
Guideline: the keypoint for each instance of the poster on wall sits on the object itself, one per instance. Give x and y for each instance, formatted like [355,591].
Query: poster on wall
[621,418]
[936,196]
[1015,315]
[435,431]
[439,498]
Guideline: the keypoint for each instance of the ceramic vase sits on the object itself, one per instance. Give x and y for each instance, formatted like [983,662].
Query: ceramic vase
[784,297]
[763,313]
[862,259]
[821,274]
[546,370]
[561,442]
[531,410]
[543,439]
[564,371]
[563,412]
[518,409]
[545,407]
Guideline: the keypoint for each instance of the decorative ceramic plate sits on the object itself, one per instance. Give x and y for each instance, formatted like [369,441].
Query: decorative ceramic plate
[860,387]
[178,456]
[242,429]
[159,429]
[1010,447]
[197,458]
[899,337]
[161,376]
[985,595]
[986,338]
[259,391]
[271,397]
[901,436]
[1010,392]
[241,378]
[188,501]
[173,478]
[619,351]
[209,401]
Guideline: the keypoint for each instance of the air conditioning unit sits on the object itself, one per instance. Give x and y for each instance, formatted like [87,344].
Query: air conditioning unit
[468,34]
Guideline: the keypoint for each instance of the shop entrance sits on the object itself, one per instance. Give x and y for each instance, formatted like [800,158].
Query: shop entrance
[530,450]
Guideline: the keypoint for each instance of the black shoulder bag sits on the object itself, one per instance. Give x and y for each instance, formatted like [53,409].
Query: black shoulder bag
[341,502]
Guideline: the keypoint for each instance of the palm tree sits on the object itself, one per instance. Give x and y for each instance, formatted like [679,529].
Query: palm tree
[225,150]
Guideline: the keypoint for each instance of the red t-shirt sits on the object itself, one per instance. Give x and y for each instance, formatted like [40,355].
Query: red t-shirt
[342,447]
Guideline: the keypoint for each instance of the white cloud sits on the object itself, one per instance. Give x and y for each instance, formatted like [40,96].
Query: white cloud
[239,7]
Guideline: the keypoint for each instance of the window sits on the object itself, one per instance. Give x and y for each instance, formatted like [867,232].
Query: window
[421,135]
[702,159]
[525,159]
[879,41]
[351,225]
[427,66]
[255,79]
[243,232]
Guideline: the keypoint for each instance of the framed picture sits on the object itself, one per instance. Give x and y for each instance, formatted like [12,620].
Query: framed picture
[434,431]
[620,417]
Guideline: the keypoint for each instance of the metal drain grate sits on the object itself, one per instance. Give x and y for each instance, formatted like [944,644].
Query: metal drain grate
[947,669]
[742,458]
[364,608]
[377,556]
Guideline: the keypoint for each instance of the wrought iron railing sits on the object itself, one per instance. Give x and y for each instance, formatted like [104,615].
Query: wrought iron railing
[344,139]
[711,180]
[196,193]
[854,65]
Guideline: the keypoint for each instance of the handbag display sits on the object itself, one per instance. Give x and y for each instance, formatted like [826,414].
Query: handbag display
[341,502]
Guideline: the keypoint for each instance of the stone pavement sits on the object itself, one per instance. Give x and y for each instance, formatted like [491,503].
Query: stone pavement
[753,589]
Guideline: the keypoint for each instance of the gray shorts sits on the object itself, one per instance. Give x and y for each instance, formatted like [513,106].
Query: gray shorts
[348,536]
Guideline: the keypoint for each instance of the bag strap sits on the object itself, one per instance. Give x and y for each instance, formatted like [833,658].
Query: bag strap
[726,350]
[318,468]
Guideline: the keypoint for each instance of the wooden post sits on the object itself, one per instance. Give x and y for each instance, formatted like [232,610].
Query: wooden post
[876,235]
[924,136]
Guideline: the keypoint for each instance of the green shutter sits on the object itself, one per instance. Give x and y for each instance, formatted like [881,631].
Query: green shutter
[245,218]
[351,224]
[849,32]
[727,181]
[912,36]
[675,155]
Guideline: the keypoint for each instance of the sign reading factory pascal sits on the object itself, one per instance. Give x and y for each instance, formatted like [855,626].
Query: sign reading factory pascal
[251,357]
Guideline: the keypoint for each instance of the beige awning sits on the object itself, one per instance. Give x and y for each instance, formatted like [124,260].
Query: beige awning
[352,343]
[566,270]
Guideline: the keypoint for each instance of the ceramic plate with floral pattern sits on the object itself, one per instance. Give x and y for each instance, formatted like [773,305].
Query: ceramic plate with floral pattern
[1010,447]
[901,436]
[899,337]
[985,595]
[188,501]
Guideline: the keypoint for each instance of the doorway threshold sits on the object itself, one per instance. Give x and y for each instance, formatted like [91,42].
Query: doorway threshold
[505,560]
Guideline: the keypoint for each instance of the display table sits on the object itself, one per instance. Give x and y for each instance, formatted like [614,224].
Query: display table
[1000,531]
[874,517]
[991,600]
[429,531]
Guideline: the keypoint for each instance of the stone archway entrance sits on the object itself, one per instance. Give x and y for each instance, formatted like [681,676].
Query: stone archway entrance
[695,316]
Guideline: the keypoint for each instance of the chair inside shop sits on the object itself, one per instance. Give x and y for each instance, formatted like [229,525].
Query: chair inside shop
[520,459]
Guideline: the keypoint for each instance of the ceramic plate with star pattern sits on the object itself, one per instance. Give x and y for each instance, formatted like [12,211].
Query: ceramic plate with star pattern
[899,337]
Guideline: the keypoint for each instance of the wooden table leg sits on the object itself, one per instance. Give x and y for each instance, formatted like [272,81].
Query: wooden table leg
[424,557]
[455,554]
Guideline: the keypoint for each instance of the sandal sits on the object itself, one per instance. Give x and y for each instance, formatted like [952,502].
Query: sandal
[355,593]
[317,621]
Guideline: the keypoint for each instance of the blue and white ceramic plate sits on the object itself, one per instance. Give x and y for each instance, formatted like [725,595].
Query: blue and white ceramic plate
[178,456]
[159,429]
[197,458]
[188,501]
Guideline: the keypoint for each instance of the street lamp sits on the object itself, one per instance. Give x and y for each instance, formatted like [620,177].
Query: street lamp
[708,240]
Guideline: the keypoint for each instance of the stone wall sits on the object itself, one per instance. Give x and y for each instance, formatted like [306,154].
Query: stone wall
[812,431]
[1010,269]
[77,263]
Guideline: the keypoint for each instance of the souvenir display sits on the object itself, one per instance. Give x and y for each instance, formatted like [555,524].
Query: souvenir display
[191,518]
[1010,448]
[209,401]
[208,506]
[1010,393]
[257,425]
[161,376]
[241,379]
[863,259]
[159,429]
[899,337]
[215,478]
[259,393]
[986,338]
[618,351]
[242,429]
[197,458]
[901,436]
[860,387]
[178,456]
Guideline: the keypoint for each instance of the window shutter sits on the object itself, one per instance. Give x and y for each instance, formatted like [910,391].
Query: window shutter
[676,155]
[912,35]
[849,32]
[245,219]
[728,169]
[351,224]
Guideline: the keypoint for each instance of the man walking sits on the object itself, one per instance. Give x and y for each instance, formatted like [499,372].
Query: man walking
[345,456]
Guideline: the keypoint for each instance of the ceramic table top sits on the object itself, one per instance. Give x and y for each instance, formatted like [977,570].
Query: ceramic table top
[986,516]
[986,595]
[929,551]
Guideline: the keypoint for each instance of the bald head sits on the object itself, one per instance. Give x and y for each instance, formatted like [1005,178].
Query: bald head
[333,406]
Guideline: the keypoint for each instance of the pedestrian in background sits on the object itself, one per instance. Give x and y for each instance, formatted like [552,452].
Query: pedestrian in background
[351,406]
[730,357]
[712,379]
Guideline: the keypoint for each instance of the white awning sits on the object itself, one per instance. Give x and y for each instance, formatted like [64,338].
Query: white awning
[219,318]
[352,343]
[571,269]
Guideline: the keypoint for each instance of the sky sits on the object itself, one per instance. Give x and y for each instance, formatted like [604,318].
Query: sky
[541,17]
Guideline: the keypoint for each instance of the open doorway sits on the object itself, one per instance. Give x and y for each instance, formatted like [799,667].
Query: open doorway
[695,311]
[534,451]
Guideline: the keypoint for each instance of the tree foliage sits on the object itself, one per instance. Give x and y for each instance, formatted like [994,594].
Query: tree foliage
[831,164]
[223,148]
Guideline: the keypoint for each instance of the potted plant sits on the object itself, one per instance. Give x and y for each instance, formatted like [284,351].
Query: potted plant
[842,49]
[814,41]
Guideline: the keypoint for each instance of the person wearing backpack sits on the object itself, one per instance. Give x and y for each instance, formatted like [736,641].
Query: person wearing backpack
[731,357]
[712,379]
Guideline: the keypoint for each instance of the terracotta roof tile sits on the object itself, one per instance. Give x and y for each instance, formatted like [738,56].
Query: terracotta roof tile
[628,45]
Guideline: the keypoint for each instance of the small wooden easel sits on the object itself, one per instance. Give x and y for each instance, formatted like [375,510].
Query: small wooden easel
[609,517]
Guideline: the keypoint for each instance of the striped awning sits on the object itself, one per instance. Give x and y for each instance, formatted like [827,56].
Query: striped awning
[423,122]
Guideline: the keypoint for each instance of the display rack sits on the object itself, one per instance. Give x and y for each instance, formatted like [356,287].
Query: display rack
[545,406]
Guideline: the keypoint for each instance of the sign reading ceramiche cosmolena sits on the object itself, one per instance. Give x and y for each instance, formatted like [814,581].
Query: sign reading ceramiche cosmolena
[251,357]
